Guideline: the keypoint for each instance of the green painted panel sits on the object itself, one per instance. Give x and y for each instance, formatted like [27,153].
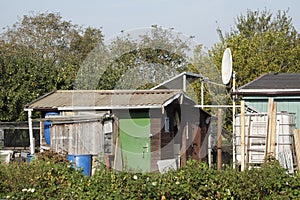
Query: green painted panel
[291,105]
[135,142]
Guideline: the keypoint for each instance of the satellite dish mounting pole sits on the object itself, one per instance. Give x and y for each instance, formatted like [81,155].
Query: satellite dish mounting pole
[233,121]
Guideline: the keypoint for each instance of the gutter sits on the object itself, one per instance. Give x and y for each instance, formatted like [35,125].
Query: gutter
[272,92]
[86,108]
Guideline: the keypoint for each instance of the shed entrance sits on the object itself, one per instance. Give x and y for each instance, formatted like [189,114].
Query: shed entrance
[135,142]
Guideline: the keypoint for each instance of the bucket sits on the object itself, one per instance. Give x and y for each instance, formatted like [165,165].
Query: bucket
[30,158]
[47,125]
[82,161]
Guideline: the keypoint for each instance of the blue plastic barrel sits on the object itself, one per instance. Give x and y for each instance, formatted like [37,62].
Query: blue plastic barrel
[47,125]
[47,135]
[30,158]
[81,162]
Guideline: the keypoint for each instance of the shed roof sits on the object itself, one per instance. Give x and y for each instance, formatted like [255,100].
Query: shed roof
[104,99]
[179,81]
[272,84]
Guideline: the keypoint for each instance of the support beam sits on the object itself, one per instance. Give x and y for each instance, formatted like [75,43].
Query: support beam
[202,94]
[219,145]
[31,139]
[271,132]
[209,150]
[183,147]
[233,123]
[242,135]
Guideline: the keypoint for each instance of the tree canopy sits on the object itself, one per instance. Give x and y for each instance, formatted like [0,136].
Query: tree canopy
[40,53]
[133,61]
[261,42]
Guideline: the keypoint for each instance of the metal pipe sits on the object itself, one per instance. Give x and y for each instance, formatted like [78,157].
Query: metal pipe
[233,122]
[219,143]
[31,139]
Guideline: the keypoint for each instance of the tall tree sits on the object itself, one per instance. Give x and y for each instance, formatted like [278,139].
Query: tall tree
[135,60]
[38,54]
[261,42]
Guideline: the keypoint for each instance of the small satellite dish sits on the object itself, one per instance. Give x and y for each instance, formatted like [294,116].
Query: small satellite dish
[226,66]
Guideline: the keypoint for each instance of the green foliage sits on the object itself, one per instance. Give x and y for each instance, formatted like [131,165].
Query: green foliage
[261,42]
[40,53]
[134,62]
[51,177]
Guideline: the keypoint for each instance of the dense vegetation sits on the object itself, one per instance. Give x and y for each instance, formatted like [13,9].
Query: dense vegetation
[261,42]
[42,52]
[53,178]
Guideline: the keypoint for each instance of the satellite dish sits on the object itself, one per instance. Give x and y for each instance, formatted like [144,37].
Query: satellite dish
[226,66]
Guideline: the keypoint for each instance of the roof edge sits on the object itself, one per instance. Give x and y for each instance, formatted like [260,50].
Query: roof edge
[265,92]
[39,98]
[256,79]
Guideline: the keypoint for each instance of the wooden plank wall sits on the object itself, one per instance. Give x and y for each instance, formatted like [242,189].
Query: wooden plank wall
[77,138]
[155,142]
[196,146]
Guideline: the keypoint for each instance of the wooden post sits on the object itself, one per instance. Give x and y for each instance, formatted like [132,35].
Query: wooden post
[118,162]
[219,145]
[297,146]
[183,147]
[242,135]
[248,142]
[268,137]
[271,132]
[116,151]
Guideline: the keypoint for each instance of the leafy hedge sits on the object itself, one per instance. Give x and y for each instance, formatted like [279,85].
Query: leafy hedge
[54,178]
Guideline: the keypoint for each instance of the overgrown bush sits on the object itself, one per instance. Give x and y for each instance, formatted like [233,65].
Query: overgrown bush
[52,177]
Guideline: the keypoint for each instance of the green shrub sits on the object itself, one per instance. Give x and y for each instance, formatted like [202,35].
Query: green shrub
[52,177]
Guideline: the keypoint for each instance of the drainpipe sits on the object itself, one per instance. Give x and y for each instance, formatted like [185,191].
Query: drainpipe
[31,139]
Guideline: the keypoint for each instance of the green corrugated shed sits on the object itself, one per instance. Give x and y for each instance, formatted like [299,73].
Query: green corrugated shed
[284,104]
[284,88]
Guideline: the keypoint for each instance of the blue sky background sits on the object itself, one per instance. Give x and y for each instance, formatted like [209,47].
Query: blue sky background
[199,18]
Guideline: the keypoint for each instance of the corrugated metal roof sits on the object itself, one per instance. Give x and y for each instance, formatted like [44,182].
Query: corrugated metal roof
[274,84]
[102,99]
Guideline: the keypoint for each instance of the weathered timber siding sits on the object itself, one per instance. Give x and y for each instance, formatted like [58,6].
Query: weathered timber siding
[155,142]
[77,138]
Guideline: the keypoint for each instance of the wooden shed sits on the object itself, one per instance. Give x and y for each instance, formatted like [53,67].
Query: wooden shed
[284,88]
[132,130]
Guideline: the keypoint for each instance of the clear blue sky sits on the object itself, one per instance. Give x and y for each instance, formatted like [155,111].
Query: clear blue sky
[199,18]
